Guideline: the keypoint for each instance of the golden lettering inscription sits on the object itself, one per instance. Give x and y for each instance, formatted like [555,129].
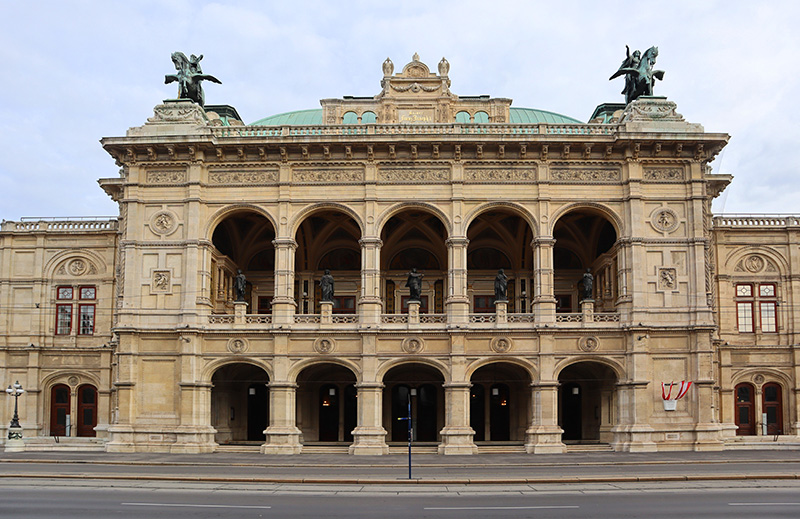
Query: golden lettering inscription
[415,116]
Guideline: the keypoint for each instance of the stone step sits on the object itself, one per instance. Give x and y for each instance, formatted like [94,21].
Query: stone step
[589,447]
[49,443]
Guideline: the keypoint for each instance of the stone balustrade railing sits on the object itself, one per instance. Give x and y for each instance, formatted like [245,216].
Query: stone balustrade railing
[756,220]
[412,129]
[61,225]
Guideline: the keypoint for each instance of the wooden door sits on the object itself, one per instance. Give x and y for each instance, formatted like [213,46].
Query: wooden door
[771,405]
[745,410]
[59,409]
[87,410]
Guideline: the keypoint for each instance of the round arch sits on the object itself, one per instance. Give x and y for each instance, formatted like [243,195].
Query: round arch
[617,368]
[87,255]
[230,210]
[435,364]
[771,375]
[212,367]
[423,206]
[594,207]
[302,365]
[61,377]
[297,219]
[739,254]
[517,209]
[528,367]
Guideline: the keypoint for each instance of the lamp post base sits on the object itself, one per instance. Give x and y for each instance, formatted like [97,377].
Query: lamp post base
[14,442]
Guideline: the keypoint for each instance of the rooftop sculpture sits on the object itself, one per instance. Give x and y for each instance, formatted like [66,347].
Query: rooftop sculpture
[639,73]
[189,77]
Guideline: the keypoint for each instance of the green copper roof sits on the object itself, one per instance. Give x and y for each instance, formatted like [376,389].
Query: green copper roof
[314,117]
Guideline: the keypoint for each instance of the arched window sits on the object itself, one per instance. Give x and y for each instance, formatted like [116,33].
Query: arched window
[463,117]
[481,118]
[350,118]
[368,118]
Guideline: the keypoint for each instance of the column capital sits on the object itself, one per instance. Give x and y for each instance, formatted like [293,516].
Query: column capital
[456,241]
[543,240]
[457,385]
[370,240]
[284,242]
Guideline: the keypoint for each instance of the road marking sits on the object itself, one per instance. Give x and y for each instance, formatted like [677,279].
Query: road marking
[499,507]
[192,505]
[763,504]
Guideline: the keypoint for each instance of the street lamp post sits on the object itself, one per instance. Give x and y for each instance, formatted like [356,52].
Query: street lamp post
[15,390]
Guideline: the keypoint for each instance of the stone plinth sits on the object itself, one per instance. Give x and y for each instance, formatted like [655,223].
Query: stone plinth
[413,312]
[326,312]
[239,311]
[15,442]
[501,309]
[587,309]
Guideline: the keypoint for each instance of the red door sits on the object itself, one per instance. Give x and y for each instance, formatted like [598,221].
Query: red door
[771,406]
[745,410]
[59,410]
[87,410]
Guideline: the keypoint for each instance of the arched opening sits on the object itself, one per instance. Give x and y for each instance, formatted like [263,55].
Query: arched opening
[328,240]
[420,386]
[414,239]
[59,409]
[87,410]
[326,403]
[350,118]
[585,240]
[240,403]
[243,241]
[481,118]
[463,117]
[745,417]
[772,408]
[500,403]
[369,118]
[587,402]
[499,239]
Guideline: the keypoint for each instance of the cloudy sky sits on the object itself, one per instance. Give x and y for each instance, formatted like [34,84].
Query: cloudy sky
[75,71]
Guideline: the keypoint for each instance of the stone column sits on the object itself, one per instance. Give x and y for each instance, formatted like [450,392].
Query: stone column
[544,300]
[457,434]
[457,302]
[283,436]
[283,304]
[370,304]
[369,437]
[633,433]
[544,435]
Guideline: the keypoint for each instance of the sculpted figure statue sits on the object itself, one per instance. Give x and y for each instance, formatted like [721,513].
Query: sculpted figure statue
[326,286]
[414,284]
[189,77]
[388,67]
[588,281]
[500,286]
[444,67]
[639,73]
[240,285]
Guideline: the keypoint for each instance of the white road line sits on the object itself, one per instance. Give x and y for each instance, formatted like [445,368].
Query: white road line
[498,507]
[192,505]
[763,504]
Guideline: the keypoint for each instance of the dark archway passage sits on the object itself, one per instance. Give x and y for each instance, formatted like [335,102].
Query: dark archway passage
[240,403]
[326,403]
[423,386]
[586,402]
[500,402]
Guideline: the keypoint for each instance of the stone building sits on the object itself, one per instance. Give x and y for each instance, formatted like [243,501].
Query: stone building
[128,334]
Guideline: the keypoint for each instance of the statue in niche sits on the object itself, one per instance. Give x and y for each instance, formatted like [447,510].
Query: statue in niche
[639,73]
[500,286]
[189,77]
[326,286]
[587,283]
[240,285]
[414,284]
[388,67]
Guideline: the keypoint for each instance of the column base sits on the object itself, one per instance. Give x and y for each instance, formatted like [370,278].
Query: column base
[15,443]
[369,441]
[457,441]
[282,440]
[633,438]
[172,439]
[544,440]
[708,437]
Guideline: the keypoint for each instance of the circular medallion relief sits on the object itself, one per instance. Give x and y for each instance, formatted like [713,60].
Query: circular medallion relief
[665,220]
[758,379]
[590,343]
[324,345]
[163,222]
[754,263]
[501,344]
[237,345]
[413,345]
[73,381]
[77,267]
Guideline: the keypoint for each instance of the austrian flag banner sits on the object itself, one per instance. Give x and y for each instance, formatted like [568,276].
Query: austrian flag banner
[670,398]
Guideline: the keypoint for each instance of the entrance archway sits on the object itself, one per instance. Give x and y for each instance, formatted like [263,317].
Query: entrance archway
[745,409]
[500,403]
[87,410]
[421,384]
[772,407]
[240,403]
[327,407]
[586,402]
[59,409]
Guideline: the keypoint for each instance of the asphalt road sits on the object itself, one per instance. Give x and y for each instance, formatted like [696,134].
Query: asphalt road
[87,502]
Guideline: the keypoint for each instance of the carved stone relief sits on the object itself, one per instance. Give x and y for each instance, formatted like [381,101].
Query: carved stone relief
[411,175]
[324,345]
[589,343]
[413,345]
[664,220]
[754,264]
[242,177]
[667,279]
[166,177]
[500,174]
[238,345]
[312,176]
[163,222]
[585,175]
[161,280]
[663,174]
[501,344]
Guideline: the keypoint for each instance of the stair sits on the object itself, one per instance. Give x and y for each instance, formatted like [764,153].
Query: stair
[60,443]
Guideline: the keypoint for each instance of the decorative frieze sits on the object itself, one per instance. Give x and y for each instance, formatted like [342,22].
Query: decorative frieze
[414,175]
[499,175]
[174,176]
[239,177]
[663,174]
[326,176]
[585,175]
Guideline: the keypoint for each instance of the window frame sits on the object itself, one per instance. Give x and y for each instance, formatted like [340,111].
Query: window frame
[757,303]
[87,287]
[59,288]
[58,328]
[80,318]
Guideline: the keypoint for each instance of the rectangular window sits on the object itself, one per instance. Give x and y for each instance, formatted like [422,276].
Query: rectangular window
[88,293]
[744,315]
[86,313]
[63,319]
[769,322]
[423,304]
[64,293]
[344,304]
[264,305]
[483,304]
